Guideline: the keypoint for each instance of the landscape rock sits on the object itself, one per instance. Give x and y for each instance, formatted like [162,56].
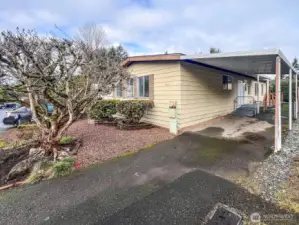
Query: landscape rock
[62,155]
[276,169]
[75,149]
[20,169]
[35,152]
[36,167]
[24,167]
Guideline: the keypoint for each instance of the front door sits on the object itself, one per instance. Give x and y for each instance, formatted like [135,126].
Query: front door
[241,93]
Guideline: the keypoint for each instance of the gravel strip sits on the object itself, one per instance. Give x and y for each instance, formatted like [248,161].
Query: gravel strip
[271,174]
[105,142]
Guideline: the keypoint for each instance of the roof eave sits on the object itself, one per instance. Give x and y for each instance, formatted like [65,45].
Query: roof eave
[274,52]
[151,58]
[233,54]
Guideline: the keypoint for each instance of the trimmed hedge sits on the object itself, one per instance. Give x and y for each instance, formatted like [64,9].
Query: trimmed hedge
[134,110]
[103,109]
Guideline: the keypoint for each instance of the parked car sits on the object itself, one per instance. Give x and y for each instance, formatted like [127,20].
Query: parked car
[17,116]
[49,109]
[10,105]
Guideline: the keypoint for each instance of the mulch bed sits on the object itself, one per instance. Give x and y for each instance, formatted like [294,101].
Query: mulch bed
[100,142]
[10,135]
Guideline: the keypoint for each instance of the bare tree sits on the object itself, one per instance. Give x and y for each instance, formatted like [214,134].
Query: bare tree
[295,63]
[215,50]
[66,73]
[91,34]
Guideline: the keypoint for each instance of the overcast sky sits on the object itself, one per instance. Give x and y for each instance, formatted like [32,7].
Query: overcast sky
[156,26]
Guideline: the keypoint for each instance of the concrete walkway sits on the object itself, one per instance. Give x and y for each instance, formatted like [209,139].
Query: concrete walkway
[163,185]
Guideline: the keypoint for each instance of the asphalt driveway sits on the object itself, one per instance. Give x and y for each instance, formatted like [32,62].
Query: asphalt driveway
[166,184]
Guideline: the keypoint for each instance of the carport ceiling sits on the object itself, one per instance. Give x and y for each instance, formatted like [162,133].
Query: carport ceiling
[247,62]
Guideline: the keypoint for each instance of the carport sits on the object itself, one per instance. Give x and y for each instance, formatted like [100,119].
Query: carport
[253,64]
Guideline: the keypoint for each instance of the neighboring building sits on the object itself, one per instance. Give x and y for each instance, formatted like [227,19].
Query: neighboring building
[200,92]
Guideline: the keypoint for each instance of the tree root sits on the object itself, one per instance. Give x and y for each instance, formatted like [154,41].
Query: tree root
[17,184]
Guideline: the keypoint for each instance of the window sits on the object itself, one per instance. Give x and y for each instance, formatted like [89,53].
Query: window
[262,89]
[130,89]
[119,90]
[249,89]
[143,86]
[227,82]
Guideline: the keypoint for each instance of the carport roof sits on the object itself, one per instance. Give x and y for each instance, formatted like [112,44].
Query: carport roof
[248,63]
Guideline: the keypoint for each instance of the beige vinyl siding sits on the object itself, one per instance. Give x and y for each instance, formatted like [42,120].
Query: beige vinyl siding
[202,95]
[167,87]
[253,92]
[198,92]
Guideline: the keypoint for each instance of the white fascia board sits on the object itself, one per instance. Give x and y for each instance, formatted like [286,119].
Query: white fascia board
[282,56]
[232,54]
[263,52]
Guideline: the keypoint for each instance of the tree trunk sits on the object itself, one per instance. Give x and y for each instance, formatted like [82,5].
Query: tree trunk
[50,140]
[51,137]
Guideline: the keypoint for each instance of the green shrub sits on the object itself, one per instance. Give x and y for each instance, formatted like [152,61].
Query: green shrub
[63,167]
[66,140]
[36,177]
[3,143]
[46,165]
[103,109]
[134,110]
[69,160]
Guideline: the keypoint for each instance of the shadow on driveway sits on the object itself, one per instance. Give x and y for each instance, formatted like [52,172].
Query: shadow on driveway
[157,186]
[187,200]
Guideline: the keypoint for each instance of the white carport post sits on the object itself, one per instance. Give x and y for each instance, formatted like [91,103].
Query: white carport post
[290,100]
[278,106]
[296,97]
[268,97]
[258,95]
